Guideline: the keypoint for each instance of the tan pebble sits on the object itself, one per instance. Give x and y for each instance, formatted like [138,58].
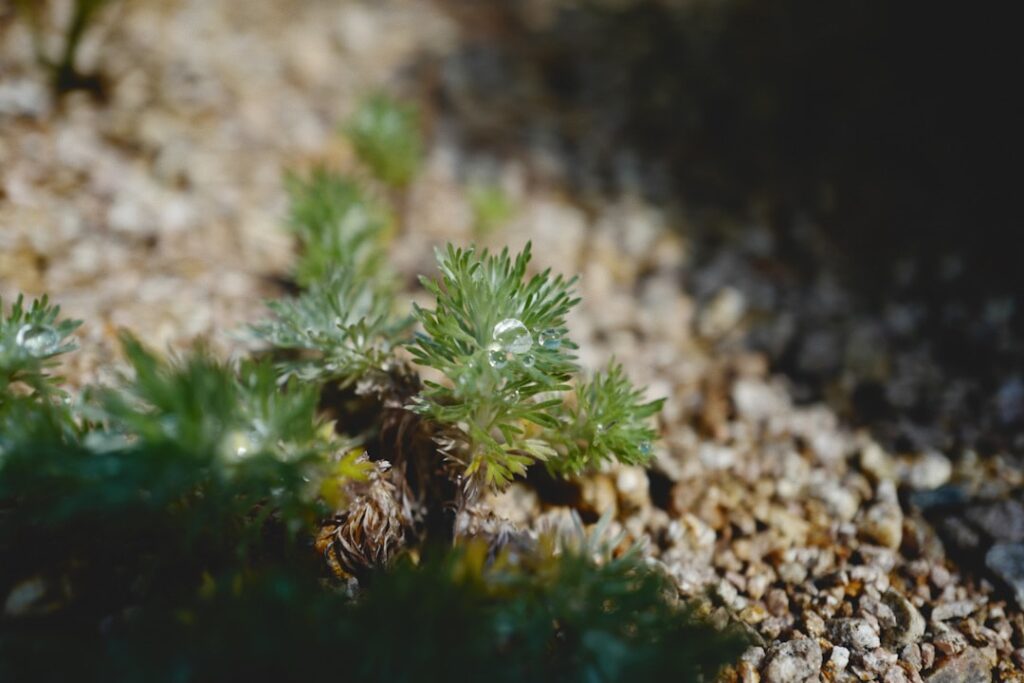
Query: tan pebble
[911,654]
[598,495]
[777,602]
[927,656]
[633,488]
[748,673]
[757,585]
[883,524]
[754,613]
[814,624]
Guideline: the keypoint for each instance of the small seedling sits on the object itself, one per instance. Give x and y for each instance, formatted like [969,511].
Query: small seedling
[386,137]
[491,208]
[500,338]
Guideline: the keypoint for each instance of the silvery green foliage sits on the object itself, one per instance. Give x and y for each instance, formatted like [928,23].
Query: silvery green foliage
[338,228]
[500,338]
[341,327]
[386,137]
[609,420]
[30,338]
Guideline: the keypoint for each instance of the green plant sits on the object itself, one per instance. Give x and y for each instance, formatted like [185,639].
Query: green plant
[30,340]
[501,341]
[386,137]
[338,229]
[491,208]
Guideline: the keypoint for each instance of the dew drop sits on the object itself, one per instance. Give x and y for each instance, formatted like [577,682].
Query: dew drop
[39,340]
[645,448]
[529,360]
[550,339]
[238,444]
[497,356]
[514,396]
[512,334]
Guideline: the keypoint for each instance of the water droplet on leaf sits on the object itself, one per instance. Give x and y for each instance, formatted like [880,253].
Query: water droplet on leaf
[497,356]
[645,448]
[237,444]
[39,340]
[550,339]
[512,334]
[528,360]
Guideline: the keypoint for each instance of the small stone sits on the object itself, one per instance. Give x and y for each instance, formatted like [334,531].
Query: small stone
[795,661]
[747,673]
[633,488]
[814,624]
[927,656]
[721,314]
[792,573]
[841,501]
[777,602]
[878,610]
[839,658]
[948,641]
[883,524]
[753,655]
[877,463]
[757,585]
[895,674]
[970,667]
[877,660]
[729,596]
[598,495]
[910,625]
[953,610]
[856,634]
[930,471]
[911,654]
[1003,520]
[1006,560]
[940,576]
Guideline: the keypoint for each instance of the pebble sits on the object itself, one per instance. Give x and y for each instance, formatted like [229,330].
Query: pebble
[839,658]
[856,634]
[1002,520]
[1006,560]
[795,661]
[947,641]
[777,602]
[910,624]
[883,524]
[722,314]
[633,488]
[895,674]
[877,463]
[911,654]
[969,667]
[792,572]
[927,656]
[953,610]
[929,471]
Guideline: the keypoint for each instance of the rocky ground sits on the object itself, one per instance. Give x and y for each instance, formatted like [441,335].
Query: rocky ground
[160,209]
